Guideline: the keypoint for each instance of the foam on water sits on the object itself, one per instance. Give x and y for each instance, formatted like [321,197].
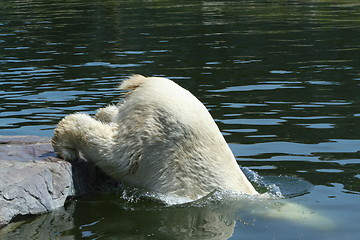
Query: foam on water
[269,187]
[272,202]
[135,195]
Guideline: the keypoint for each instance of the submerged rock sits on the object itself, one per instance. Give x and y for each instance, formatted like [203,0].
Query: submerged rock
[34,181]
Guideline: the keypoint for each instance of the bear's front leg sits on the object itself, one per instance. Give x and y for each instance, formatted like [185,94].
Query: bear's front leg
[82,133]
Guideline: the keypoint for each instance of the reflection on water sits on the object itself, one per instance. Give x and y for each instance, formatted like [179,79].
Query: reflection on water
[281,79]
[214,217]
[46,226]
[127,220]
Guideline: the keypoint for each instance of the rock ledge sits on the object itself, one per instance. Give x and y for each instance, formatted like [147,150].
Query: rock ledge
[34,181]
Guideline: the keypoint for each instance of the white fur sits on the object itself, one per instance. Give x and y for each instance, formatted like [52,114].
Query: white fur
[161,139]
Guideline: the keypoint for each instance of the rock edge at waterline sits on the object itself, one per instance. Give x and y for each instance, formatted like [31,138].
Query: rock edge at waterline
[34,181]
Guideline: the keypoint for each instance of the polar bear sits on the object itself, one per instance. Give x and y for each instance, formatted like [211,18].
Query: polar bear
[161,139]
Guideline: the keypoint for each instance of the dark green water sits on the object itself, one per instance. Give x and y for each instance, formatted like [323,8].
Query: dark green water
[281,78]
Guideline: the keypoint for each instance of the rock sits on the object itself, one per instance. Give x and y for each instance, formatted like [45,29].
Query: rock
[34,181]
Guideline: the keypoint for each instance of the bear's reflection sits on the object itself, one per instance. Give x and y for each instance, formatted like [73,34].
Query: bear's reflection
[146,219]
[109,216]
[116,219]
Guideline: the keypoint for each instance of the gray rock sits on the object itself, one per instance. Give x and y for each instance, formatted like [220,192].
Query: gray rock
[34,181]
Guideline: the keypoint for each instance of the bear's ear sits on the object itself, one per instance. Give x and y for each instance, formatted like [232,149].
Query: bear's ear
[132,82]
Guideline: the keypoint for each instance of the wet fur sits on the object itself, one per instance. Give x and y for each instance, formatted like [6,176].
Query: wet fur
[160,138]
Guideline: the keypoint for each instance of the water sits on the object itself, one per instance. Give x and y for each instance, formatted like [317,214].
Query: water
[281,79]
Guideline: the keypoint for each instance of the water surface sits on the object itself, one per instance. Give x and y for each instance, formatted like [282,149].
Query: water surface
[281,79]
